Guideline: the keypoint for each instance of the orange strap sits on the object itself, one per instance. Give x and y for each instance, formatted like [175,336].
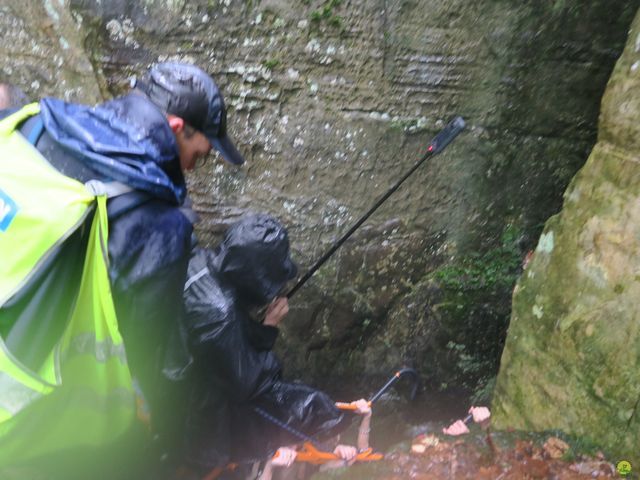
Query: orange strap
[310,454]
[307,454]
[347,406]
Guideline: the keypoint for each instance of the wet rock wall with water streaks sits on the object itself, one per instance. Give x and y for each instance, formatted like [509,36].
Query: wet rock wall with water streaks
[331,101]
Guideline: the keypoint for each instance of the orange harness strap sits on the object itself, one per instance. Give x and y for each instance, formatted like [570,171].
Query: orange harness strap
[347,406]
[307,454]
[310,454]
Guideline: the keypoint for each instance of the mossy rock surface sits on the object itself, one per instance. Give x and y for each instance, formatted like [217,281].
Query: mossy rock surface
[572,357]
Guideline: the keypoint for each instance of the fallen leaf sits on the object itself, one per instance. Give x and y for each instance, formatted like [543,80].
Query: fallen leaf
[418,448]
[555,448]
[430,440]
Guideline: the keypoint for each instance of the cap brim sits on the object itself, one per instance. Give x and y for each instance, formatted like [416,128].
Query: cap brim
[227,149]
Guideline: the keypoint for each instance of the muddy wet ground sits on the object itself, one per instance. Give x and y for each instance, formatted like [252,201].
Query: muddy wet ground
[503,457]
[410,435]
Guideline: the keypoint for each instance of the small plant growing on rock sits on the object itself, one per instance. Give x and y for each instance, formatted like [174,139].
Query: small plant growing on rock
[271,63]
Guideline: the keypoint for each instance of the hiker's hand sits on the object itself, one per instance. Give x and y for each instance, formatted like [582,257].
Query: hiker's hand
[284,457]
[480,414]
[362,407]
[456,428]
[346,453]
[276,311]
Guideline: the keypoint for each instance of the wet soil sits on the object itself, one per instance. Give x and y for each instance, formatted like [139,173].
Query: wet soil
[483,456]
[409,433]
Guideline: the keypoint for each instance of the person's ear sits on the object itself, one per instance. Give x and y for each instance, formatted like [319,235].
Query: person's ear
[176,123]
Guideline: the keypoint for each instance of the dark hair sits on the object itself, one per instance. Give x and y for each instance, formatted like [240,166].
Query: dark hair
[189,131]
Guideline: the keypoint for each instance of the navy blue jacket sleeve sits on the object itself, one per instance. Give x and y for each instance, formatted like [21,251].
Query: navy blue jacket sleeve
[148,250]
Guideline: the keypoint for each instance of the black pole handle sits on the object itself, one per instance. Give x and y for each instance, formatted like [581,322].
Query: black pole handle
[439,143]
[394,379]
[446,136]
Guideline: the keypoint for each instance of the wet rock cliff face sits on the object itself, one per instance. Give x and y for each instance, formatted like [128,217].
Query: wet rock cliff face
[331,101]
[572,358]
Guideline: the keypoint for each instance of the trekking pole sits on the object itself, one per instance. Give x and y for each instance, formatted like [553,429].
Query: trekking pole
[396,376]
[394,379]
[437,145]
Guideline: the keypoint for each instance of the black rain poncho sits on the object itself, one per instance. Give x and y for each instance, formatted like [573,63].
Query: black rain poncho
[234,367]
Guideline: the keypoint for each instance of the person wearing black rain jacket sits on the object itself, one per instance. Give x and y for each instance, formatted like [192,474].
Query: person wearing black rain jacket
[234,367]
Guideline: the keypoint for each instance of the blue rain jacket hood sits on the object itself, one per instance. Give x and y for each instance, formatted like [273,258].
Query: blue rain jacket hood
[126,139]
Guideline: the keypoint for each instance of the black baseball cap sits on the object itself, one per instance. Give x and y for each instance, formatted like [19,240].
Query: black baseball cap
[188,92]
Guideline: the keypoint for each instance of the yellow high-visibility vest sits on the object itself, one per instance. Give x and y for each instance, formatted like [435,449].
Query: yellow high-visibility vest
[82,394]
